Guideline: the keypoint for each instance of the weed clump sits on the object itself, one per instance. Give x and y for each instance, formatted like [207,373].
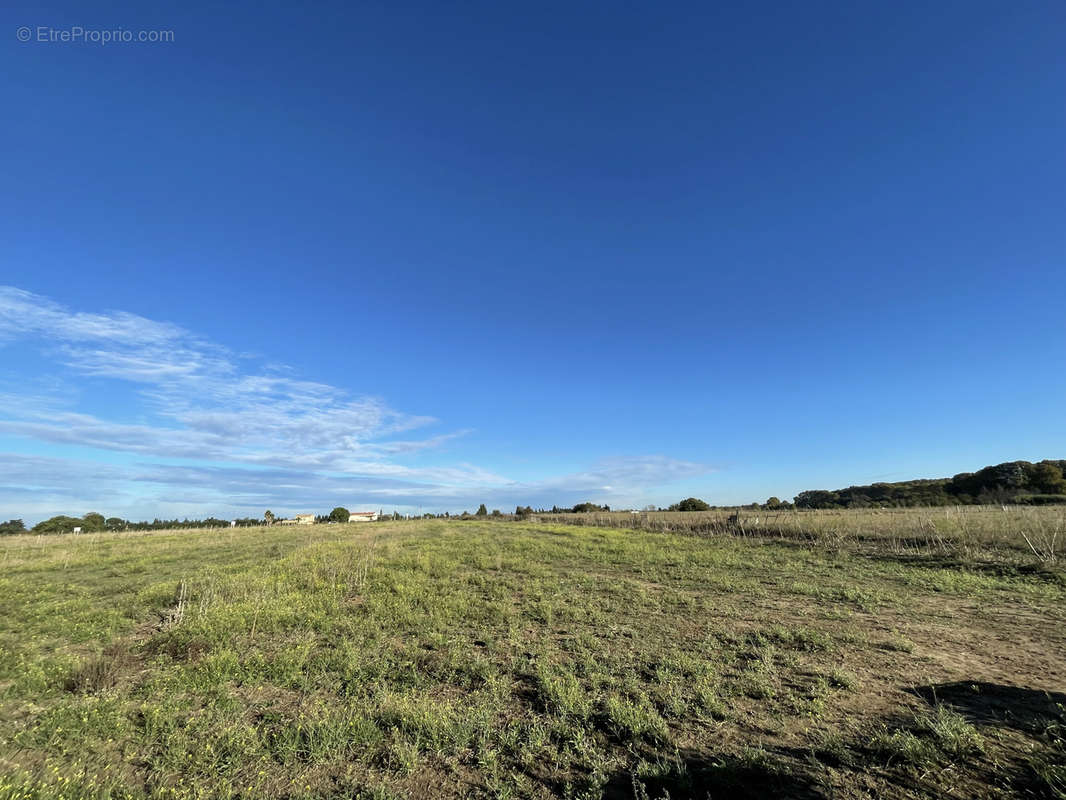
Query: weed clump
[932,736]
[98,673]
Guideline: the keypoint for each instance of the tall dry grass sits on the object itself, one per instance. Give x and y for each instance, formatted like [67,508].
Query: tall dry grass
[1017,532]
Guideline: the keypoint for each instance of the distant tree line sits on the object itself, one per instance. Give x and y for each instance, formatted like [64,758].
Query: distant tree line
[93,521]
[1014,482]
[580,508]
[524,512]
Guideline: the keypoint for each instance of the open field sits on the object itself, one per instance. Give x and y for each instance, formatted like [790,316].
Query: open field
[841,655]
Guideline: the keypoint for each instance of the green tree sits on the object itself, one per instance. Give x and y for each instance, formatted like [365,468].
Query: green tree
[58,524]
[1047,478]
[268,517]
[690,504]
[817,498]
[12,526]
[482,511]
[115,523]
[773,503]
[586,508]
[94,522]
[339,514]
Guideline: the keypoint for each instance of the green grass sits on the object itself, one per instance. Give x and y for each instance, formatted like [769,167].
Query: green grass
[489,659]
[939,734]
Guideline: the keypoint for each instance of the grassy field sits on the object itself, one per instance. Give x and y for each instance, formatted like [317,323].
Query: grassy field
[538,659]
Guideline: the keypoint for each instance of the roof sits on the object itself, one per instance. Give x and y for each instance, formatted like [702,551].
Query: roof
[363,513]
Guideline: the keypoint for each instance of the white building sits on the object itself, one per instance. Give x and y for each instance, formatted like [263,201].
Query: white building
[363,516]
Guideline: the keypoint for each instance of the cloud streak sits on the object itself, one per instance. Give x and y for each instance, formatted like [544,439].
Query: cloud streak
[245,437]
[206,407]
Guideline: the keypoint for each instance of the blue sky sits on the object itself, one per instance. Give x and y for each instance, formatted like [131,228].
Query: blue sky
[408,256]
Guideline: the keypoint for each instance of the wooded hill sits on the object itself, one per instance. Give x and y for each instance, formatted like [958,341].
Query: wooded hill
[1015,482]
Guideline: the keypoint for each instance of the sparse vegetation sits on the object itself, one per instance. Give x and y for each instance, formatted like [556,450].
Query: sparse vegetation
[1017,535]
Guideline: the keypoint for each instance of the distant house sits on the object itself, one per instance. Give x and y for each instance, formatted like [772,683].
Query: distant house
[363,516]
[300,519]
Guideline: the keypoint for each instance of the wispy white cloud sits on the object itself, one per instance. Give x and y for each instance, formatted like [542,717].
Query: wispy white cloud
[629,472]
[33,487]
[207,406]
[623,481]
[275,440]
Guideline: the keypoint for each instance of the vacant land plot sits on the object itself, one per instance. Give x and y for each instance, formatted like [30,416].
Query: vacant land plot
[524,659]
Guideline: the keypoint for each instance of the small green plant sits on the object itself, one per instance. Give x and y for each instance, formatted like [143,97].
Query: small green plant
[832,748]
[954,736]
[634,719]
[904,747]
[842,679]
[757,686]
[1049,764]
[934,735]
[899,643]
